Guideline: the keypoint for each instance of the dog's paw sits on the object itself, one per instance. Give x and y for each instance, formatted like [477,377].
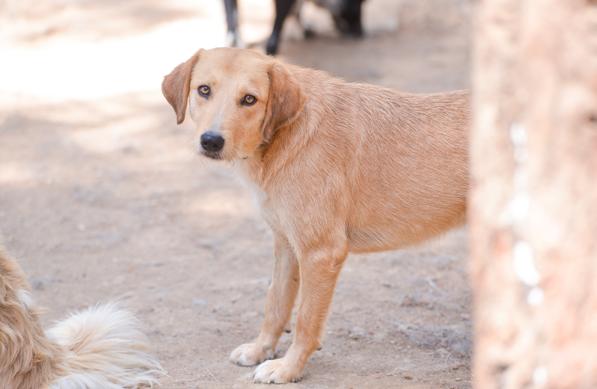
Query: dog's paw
[277,371]
[250,354]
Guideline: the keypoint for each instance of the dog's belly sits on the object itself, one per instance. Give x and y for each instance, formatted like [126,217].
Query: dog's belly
[388,228]
[362,240]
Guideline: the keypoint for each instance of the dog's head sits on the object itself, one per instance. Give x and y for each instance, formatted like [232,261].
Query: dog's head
[237,100]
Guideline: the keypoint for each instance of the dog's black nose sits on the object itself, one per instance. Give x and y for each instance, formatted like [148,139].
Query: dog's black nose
[212,141]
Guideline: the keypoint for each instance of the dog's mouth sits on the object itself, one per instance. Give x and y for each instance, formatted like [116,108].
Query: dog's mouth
[212,154]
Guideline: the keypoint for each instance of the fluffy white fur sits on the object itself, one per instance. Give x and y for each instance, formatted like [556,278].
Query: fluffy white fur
[104,348]
[98,348]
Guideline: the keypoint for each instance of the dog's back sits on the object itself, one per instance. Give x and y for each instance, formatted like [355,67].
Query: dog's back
[401,158]
[411,166]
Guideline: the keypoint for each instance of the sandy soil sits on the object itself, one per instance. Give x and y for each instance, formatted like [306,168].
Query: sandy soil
[102,196]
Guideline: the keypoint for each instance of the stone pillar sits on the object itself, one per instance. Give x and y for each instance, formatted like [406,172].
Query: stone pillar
[534,194]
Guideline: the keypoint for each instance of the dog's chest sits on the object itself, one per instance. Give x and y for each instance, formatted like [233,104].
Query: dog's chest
[257,194]
[260,199]
[263,204]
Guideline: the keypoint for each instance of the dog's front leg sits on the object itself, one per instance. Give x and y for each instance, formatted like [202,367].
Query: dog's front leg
[278,307]
[319,270]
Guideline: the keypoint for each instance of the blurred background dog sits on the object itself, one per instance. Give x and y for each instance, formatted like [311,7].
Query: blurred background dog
[345,13]
[100,347]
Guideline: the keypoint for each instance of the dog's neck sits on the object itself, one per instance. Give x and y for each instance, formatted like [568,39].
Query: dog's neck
[273,157]
[288,142]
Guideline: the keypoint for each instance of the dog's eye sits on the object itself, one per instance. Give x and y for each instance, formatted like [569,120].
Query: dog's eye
[204,90]
[248,100]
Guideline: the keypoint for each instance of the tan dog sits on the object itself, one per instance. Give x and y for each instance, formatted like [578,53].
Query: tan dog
[337,167]
[100,347]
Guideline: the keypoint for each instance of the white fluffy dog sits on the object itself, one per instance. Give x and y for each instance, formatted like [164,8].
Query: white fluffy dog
[98,348]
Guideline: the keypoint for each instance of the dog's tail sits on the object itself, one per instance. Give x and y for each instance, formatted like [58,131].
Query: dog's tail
[103,348]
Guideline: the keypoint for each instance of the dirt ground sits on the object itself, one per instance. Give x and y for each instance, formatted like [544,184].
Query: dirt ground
[102,196]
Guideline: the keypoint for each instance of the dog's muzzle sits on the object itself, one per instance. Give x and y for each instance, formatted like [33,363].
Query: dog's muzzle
[211,144]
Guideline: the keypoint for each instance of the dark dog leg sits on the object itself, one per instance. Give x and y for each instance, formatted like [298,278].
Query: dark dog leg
[283,8]
[231,8]
[349,21]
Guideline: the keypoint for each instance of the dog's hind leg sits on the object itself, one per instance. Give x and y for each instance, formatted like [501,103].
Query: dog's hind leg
[278,308]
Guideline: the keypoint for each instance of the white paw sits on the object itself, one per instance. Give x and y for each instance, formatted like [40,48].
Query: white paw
[250,354]
[277,371]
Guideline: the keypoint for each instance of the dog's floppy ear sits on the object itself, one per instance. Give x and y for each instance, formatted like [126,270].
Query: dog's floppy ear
[175,86]
[285,100]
